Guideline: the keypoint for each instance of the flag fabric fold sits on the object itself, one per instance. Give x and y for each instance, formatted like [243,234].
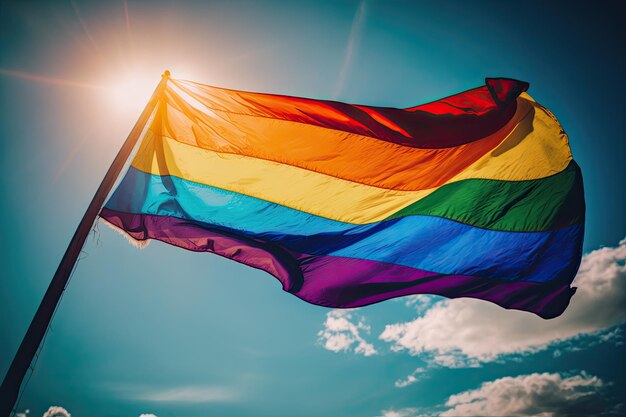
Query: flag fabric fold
[474,195]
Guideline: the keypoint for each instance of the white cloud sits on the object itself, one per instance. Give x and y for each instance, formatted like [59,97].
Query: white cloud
[56,411]
[341,334]
[465,332]
[415,376]
[147,415]
[403,412]
[190,394]
[420,302]
[545,395]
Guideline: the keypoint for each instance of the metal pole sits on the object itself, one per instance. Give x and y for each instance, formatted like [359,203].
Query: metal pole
[21,362]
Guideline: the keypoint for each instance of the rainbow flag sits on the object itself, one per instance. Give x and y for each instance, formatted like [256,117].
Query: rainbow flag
[474,195]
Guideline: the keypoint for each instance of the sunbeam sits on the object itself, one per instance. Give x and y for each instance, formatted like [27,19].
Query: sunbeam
[47,80]
[129,31]
[355,33]
[84,26]
[127,18]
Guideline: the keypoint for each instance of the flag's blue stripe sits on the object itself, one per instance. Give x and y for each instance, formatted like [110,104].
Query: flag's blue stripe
[424,242]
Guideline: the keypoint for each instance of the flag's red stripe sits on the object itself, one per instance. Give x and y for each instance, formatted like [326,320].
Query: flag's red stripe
[448,122]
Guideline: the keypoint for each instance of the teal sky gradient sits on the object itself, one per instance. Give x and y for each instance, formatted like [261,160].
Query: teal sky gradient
[136,325]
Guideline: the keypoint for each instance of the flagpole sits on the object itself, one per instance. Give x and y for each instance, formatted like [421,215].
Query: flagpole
[34,335]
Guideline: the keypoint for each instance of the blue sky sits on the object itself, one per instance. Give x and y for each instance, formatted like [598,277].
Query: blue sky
[174,333]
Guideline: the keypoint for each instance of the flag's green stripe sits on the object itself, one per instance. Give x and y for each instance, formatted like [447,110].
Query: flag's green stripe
[532,205]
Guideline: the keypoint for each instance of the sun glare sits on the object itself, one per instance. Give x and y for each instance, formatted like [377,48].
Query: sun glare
[129,93]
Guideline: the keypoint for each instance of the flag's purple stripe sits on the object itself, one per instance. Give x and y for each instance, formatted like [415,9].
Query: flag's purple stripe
[340,282]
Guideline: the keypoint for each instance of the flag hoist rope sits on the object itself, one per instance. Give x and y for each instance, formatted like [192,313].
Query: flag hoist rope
[30,344]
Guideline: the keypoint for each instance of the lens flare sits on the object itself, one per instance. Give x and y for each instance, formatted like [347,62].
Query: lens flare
[129,92]
[44,79]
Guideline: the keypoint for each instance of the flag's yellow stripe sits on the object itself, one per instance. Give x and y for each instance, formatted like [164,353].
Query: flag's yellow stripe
[533,150]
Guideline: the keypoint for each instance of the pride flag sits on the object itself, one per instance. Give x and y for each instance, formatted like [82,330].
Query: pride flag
[474,195]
